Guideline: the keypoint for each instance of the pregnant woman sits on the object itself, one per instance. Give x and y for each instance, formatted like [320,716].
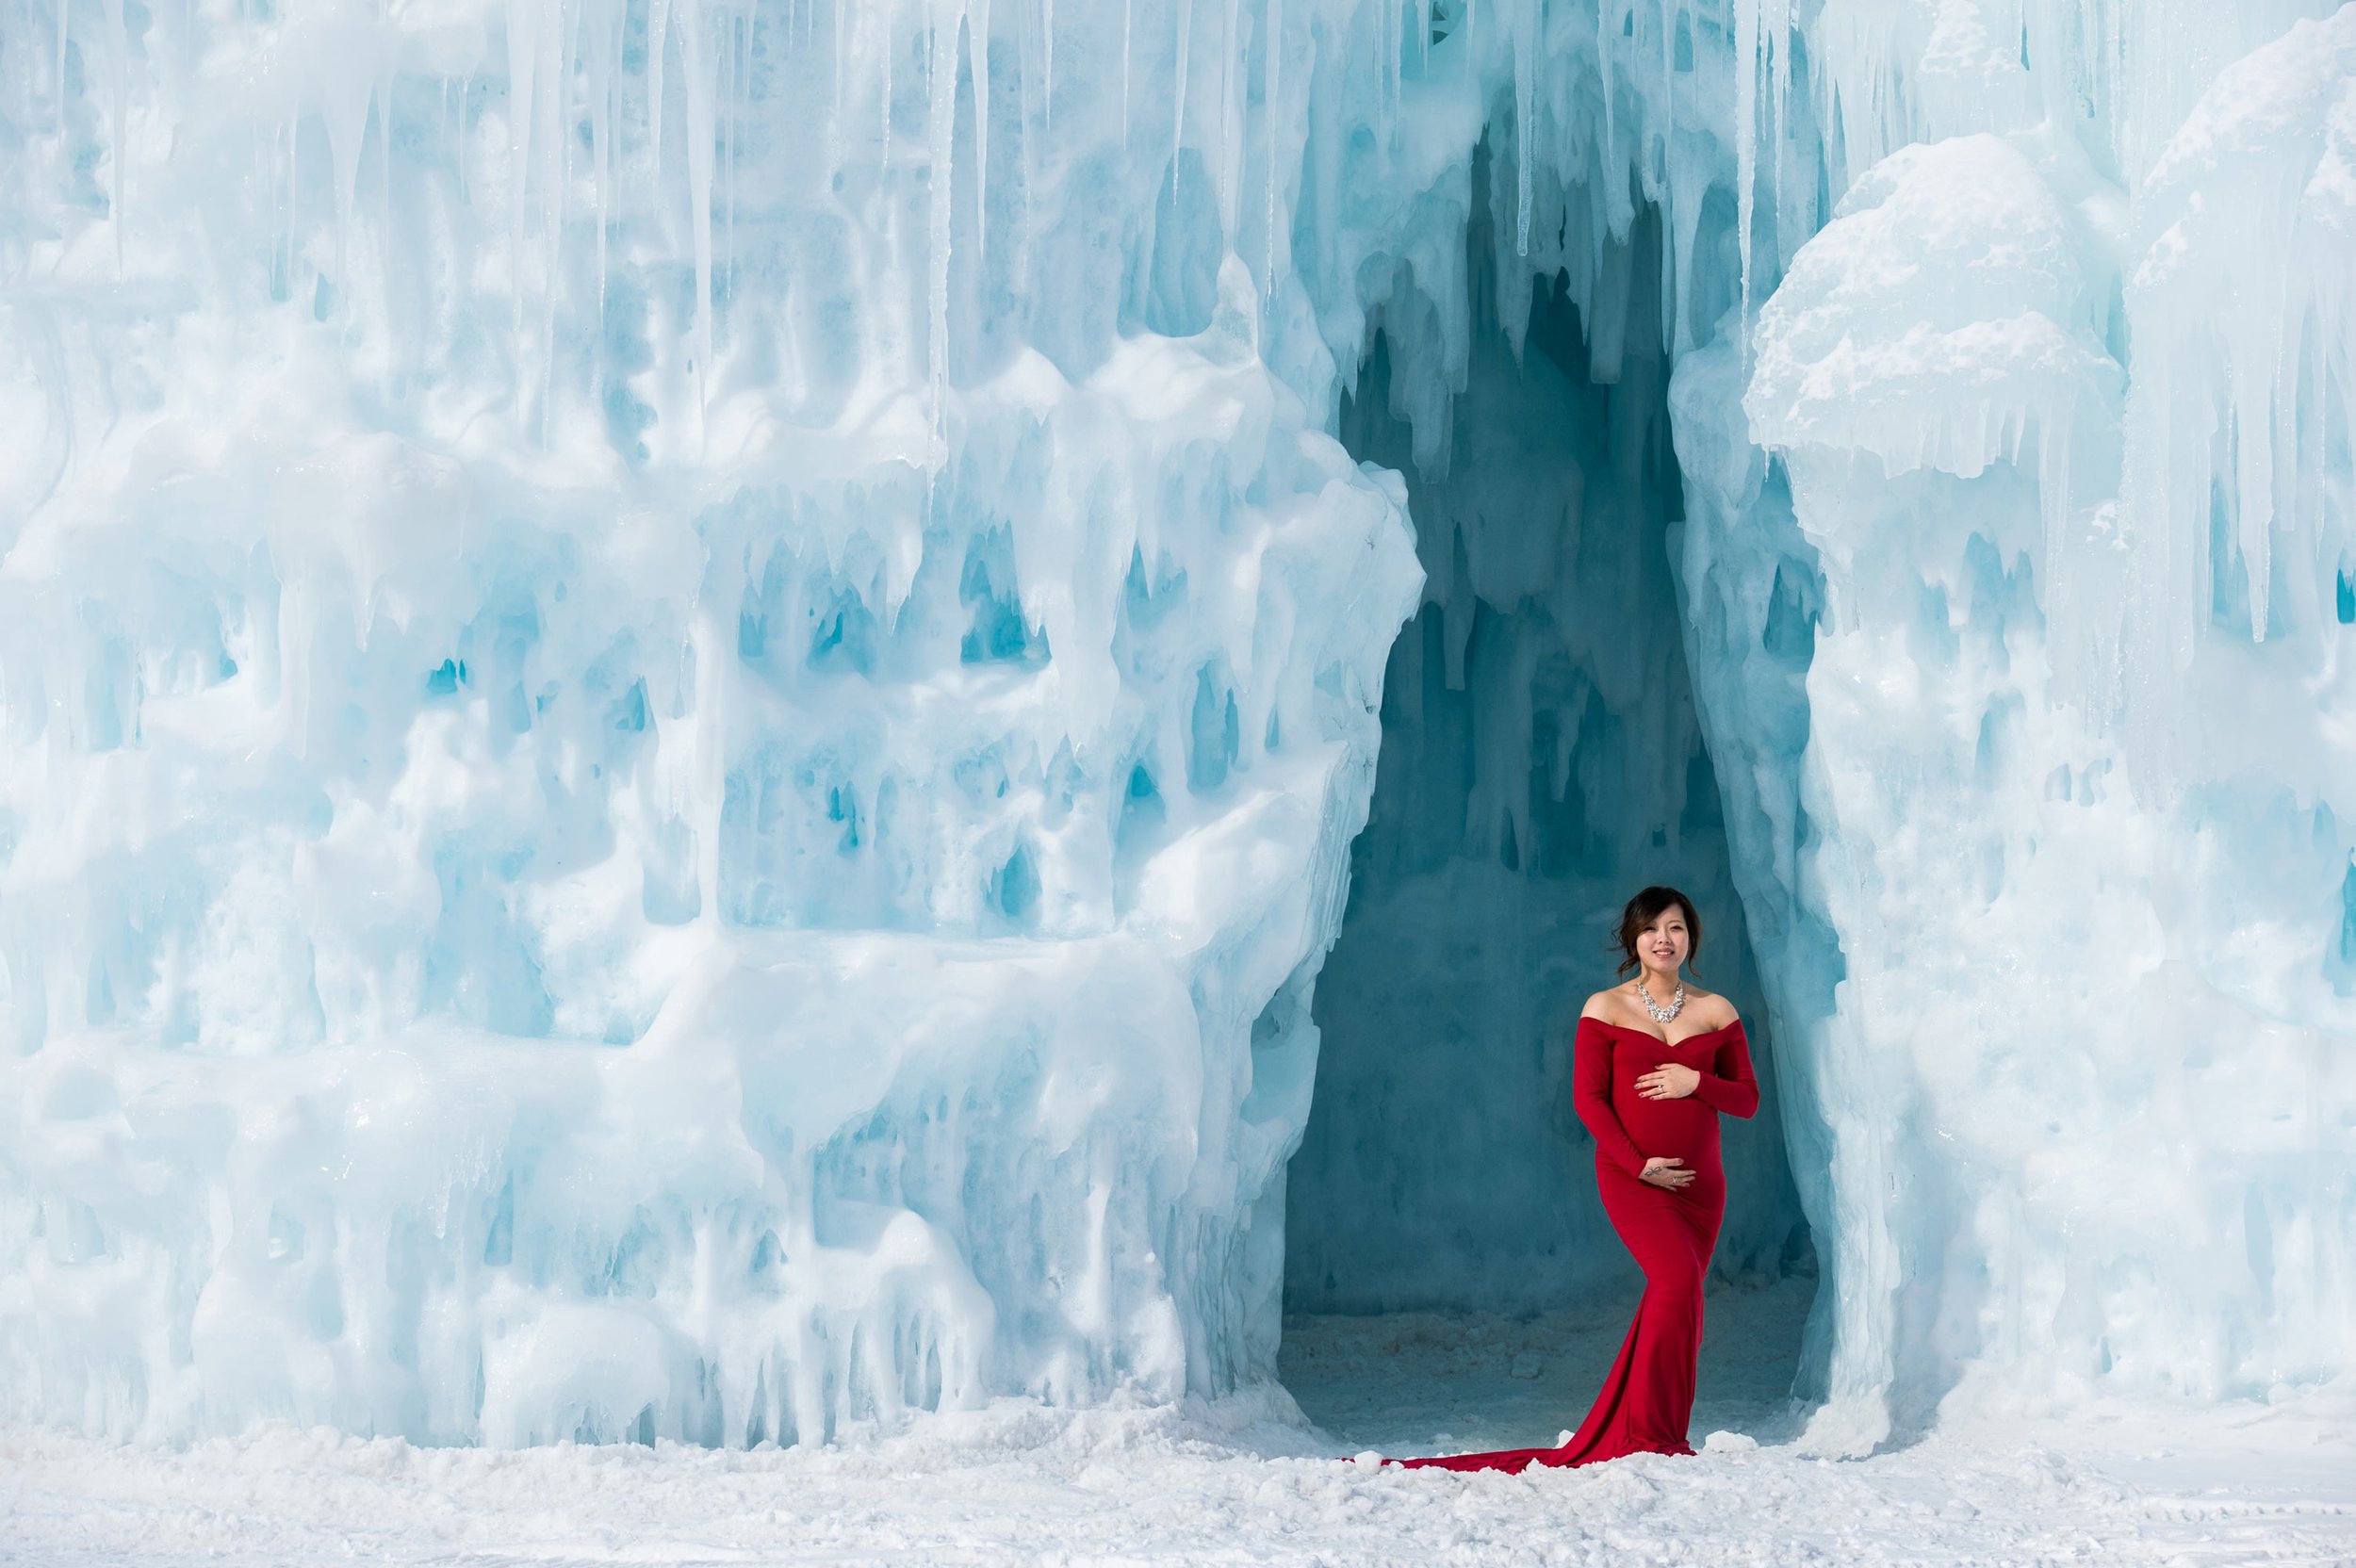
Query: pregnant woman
[1656,1062]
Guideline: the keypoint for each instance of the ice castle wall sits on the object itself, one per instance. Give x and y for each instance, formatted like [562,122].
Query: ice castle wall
[685,685]
[632,806]
[2046,575]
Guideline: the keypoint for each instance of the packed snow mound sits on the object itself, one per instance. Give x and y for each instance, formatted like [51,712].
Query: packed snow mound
[1940,317]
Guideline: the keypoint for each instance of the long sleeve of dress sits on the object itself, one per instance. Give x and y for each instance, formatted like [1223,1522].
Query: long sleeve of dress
[1590,1092]
[1731,1088]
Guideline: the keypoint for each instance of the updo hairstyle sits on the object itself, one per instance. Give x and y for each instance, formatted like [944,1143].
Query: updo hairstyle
[1642,910]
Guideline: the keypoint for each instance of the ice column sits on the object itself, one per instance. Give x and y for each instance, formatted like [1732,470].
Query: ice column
[2067,787]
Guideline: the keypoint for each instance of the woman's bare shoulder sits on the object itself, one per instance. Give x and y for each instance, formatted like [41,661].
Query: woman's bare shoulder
[1605,1005]
[1708,1008]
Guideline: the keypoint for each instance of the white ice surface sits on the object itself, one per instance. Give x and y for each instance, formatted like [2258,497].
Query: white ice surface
[1232,1482]
[2085,1089]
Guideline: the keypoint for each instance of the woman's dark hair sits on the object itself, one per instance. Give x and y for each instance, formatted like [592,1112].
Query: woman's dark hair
[1642,910]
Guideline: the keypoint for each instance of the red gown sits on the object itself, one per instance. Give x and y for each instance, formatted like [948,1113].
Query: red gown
[1647,1397]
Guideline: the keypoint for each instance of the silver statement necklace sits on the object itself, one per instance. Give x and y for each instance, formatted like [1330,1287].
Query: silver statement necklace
[1661,1014]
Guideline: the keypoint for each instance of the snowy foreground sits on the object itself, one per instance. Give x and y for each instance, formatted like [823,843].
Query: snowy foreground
[1245,1479]
[1235,1482]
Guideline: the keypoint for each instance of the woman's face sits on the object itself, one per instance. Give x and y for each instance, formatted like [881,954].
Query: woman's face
[1662,945]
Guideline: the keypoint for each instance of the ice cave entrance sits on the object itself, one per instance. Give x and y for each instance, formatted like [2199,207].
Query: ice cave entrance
[1450,1278]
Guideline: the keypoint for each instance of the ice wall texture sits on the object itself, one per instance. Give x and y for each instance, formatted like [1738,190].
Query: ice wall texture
[2061,396]
[632,805]
[686,683]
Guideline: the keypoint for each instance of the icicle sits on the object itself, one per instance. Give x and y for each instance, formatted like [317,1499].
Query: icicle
[466,189]
[942,129]
[604,99]
[117,111]
[384,149]
[1525,44]
[347,117]
[294,150]
[1230,112]
[834,121]
[1683,223]
[1603,70]
[977,58]
[1745,147]
[699,151]
[658,28]
[557,133]
[523,58]
[1178,110]
[1128,8]
[1271,111]
[1047,70]
[739,57]
[2253,388]
[1777,41]
[2311,434]
[1023,109]
[1671,14]
[64,10]
[1391,24]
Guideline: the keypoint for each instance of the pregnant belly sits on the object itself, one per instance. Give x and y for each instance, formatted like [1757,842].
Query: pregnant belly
[1678,1129]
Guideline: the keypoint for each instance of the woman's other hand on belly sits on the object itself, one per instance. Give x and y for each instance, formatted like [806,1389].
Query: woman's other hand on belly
[1663,1171]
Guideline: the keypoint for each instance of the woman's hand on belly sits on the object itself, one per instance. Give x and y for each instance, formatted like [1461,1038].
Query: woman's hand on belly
[1669,1081]
[1662,1171]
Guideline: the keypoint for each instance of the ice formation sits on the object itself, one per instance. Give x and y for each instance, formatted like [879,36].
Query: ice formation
[687,686]
[1541,759]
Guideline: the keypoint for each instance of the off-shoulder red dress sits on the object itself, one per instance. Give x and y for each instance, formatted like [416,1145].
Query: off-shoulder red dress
[1647,1397]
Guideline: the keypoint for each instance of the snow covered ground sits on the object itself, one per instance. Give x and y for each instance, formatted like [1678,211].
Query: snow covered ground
[1428,1382]
[1245,1480]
